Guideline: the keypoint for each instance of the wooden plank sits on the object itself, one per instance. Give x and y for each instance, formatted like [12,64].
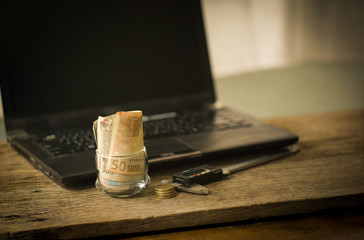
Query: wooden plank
[327,173]
[347,224]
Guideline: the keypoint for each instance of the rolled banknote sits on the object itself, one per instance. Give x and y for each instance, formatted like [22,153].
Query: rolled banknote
[103,137]
[121,151]
[126,133]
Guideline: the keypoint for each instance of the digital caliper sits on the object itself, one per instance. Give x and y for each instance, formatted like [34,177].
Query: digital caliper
[190,180]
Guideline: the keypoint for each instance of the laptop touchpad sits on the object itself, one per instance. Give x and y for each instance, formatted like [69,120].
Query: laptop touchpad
[168,149]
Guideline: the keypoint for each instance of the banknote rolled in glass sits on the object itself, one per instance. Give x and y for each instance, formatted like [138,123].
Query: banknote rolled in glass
[121,157]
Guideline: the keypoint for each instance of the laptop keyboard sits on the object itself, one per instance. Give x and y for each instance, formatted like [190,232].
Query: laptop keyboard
[73,141]
[191,122]
[67,141]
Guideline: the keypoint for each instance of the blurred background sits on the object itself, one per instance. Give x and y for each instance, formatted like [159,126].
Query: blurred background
[285,57]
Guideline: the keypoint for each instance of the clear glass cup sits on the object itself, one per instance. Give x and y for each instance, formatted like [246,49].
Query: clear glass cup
[122,176]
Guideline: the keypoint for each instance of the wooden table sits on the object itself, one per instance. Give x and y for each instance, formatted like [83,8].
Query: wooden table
[328,173]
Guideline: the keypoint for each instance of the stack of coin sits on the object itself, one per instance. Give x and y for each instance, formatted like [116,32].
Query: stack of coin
[165,191]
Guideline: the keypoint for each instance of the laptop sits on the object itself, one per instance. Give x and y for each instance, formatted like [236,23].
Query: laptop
[62,67]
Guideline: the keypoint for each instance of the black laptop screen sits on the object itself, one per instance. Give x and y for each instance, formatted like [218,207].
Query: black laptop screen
[61,57]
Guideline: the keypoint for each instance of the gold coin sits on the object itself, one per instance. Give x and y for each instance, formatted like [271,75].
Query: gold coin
[165,191]
[169,190]
[167,196]
[164,187]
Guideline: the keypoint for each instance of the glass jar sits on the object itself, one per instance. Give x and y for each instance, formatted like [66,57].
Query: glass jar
[122,176]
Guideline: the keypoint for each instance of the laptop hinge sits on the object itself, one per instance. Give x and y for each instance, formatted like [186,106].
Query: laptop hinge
[16,133]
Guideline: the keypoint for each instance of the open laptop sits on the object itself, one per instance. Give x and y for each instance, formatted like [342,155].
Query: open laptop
[63,66]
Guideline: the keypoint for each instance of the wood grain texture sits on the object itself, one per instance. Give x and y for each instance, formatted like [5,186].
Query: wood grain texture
[337,224]
[326,173]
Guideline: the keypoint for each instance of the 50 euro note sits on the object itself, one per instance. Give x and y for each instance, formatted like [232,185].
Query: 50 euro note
[125,161]
[123,168]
